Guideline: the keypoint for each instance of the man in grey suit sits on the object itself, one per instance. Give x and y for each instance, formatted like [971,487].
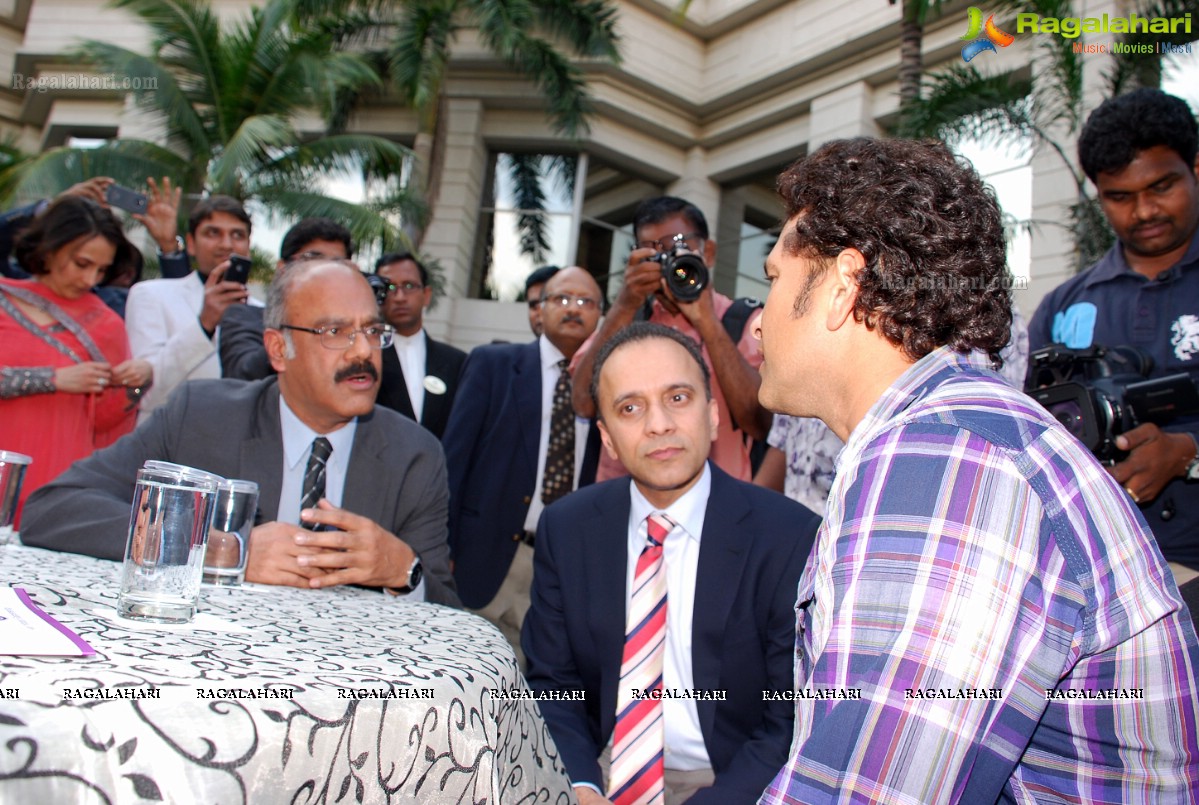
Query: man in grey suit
[385,501]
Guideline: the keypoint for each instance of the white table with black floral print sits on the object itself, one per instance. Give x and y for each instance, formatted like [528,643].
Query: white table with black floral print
[390,702]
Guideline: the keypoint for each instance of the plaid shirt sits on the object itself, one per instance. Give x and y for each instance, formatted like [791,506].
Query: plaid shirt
[987,587]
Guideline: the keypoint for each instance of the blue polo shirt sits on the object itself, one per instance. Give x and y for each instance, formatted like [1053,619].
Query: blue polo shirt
[1111,305]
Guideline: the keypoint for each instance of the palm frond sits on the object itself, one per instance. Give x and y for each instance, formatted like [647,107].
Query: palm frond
[127,161]
[369,227]
[250,146]
[588,25]
[525,171]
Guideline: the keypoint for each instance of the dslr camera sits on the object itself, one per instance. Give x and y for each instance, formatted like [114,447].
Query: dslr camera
[1099,392]
[684,271]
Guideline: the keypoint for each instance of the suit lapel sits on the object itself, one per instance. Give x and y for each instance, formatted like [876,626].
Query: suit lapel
[724,549]
[394,384]
[262,455]
[362,491]
[435,365]
[526,391]
[604,540]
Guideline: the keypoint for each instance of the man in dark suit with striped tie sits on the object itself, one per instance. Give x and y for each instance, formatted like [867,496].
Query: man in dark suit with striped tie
[662,608]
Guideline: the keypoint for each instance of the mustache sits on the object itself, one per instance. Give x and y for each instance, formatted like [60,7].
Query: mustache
[577,319]
[360,368]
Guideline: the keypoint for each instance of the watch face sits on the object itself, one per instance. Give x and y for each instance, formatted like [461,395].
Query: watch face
[415,575]
[1193,471]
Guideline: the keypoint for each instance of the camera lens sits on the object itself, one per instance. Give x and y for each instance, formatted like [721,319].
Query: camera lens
[1069,413]
[685,274]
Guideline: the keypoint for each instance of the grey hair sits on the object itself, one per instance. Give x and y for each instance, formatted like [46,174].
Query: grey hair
[283,282]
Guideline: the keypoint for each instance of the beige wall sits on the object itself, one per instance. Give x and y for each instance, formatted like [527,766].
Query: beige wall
[701,108]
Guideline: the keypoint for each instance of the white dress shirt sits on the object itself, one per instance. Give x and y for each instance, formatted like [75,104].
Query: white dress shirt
[685,749]
[297,447]
[550,355]
[413,352]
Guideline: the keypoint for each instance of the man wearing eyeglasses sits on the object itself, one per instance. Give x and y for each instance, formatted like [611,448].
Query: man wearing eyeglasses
[420,375]
[514,445]
[659,225]
[350,493]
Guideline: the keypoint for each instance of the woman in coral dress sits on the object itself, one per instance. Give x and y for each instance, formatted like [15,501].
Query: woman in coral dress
[67,383]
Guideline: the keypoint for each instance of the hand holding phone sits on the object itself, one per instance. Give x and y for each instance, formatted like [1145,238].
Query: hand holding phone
[125,199]
[239,269]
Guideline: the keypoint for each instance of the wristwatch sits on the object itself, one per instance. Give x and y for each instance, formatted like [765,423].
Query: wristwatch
[415,573]
[1192,470]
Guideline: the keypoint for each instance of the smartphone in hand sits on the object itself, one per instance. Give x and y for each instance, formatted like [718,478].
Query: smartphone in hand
[239,269]
[125,199]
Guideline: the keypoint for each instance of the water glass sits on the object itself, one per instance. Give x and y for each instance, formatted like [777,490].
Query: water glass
[12,472]
[168,532]
[229,537]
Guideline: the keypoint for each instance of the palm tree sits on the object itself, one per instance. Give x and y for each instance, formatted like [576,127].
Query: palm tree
[536,38]
[911,47]
[1046,108]
[228,98]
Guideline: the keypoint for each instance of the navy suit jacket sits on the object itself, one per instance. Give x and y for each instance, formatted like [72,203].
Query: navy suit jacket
[752,552]
[491,456]
[442,361]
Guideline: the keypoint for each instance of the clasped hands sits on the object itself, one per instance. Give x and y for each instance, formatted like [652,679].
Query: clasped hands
[356,551]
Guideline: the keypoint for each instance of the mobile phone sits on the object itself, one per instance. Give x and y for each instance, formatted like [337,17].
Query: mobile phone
[239,269]
[125,198]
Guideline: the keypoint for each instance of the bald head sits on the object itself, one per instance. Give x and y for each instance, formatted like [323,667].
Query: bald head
[571,309]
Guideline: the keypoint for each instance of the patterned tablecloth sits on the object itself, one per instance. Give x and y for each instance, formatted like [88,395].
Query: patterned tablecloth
[442,734]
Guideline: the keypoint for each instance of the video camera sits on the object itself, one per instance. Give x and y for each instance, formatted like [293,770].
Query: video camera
[684,271]
[1099,392]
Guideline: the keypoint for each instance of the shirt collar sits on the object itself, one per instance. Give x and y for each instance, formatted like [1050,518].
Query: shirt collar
[1114,264]
[922,376]
[297,437]
[688,511]
[409,340]
[550,354]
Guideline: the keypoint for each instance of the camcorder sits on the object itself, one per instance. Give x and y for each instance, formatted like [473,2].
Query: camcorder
[1099,392]
[684,271]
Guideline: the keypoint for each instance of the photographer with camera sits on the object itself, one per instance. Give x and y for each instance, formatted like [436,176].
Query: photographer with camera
[1139,150]
[666,281]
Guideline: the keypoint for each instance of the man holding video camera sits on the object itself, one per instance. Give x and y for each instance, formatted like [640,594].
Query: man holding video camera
[1140,150]
[671,233]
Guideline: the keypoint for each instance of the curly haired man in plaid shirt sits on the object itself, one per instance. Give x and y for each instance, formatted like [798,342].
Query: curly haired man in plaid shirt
[994,596]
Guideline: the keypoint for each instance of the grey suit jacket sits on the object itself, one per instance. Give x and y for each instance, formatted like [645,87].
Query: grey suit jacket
[397,475]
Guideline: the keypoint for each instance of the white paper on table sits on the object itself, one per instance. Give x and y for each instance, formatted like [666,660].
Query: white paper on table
[26,629]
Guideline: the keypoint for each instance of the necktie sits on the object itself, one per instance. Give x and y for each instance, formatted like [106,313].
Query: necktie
[637,741]
[559,476]
[314,474]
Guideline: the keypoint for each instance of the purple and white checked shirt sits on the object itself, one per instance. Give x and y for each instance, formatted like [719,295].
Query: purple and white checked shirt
[984,582]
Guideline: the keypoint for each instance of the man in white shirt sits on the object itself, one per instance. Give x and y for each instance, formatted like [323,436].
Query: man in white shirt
[420,375]
[708,725]
[173,323]
[506,458]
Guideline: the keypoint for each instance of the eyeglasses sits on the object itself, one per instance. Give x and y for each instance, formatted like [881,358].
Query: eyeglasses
[693,241]
[404,287]
[378,336]
[566,300]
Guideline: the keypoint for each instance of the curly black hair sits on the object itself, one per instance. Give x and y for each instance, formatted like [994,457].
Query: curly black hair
[929,229]
[1122,126]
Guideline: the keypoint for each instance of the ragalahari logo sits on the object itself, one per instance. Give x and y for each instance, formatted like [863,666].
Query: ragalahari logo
[985,37]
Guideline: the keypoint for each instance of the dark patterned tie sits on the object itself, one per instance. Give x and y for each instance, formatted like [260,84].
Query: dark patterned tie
[314,475]
[560,453]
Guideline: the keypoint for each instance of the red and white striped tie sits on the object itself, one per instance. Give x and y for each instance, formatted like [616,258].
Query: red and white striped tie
[638,739]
